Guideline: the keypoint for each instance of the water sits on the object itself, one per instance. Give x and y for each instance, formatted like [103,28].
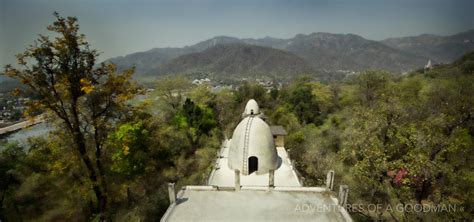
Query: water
[43,128]
[22,136]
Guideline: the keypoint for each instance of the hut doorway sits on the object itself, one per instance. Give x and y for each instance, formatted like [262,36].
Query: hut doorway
[253,164]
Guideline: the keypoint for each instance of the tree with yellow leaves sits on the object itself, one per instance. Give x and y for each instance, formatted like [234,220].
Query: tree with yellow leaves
[87,99]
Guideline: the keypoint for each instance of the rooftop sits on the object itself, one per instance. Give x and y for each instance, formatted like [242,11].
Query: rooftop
[207,203]
[278,130]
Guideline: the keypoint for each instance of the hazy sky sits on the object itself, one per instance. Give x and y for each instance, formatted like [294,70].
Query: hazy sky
[119,27]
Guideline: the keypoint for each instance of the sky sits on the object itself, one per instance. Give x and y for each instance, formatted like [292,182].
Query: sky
[121,27]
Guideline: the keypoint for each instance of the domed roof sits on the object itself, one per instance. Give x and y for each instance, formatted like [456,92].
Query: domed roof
[252,138]
[251,108]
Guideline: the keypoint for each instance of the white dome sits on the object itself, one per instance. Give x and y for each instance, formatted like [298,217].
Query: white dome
[252,147]
[251,108]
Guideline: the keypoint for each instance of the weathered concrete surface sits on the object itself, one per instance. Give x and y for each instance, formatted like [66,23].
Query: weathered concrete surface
[255,205]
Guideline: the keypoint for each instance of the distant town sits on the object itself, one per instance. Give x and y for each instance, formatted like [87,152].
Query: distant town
[11,109]
[216,85]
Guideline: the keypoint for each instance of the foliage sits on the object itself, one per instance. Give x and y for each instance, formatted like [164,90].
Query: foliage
[302,101]
[171,91]
[130,143]
[11,158]
[85,98]
[395,140]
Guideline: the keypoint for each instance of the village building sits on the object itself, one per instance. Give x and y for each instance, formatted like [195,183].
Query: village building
[279,134]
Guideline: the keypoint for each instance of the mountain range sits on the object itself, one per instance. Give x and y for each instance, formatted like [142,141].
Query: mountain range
[438,48]
[316,53]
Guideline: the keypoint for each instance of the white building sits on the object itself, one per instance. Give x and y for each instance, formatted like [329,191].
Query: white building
[254,180]
[428,65]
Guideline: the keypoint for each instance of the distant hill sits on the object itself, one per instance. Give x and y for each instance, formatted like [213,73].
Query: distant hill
[7,85]
[237,59]
[316,52]
[349,52]
[149,61]
[444,49]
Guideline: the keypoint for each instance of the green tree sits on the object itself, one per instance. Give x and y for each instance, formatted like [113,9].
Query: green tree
[12,157]
[370,84]
[247,91]
[196,121]
[172,91]
[86,98]
[303,102]
[130,144]
[226,112]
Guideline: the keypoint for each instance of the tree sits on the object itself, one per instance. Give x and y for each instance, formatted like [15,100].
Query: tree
[249,91]
[171,91]
[11,157]
[196,121]
[87,99]
[303,102]
[130,143]
[370,85]
[226,113]
[129,159]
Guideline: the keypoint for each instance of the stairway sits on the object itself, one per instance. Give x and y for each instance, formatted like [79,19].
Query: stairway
[245,167]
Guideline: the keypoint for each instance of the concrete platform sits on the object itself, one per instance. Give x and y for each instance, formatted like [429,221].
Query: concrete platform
[223,176]
[255,204]
[251,198]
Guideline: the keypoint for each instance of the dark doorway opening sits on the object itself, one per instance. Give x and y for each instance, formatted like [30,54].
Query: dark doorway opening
[253,164]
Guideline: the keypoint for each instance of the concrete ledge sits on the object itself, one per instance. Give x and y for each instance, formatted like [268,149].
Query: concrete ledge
[345,214]
[167,213]
[225,188]
[254,188]
[200,188]
[305,189]
[262,188]
[343,210]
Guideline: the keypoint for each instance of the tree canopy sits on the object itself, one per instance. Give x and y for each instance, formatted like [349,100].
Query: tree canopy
[395,140]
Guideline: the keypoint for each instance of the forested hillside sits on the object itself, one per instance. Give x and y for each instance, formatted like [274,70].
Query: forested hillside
[442,49]
[237,61]
[317,52]
[393,139]
[326,53]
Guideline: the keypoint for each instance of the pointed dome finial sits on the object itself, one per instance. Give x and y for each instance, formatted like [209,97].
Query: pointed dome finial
[251,108]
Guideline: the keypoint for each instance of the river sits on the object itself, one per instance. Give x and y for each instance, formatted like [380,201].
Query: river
[22,135]
[43,128]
